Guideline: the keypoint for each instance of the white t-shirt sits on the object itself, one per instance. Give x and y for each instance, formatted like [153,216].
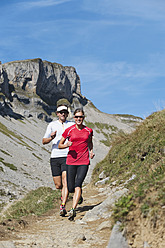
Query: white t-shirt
[60,128]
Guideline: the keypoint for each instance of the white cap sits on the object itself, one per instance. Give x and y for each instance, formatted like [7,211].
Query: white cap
[60,108]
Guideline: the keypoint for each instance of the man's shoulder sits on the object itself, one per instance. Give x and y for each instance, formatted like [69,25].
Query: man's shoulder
[70,122]
[53,123]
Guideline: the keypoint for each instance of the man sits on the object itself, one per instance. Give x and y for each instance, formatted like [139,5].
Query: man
[54,133]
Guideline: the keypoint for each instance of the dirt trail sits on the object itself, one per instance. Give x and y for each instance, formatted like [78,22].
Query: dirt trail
[52,230]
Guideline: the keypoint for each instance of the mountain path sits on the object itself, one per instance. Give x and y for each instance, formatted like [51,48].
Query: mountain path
[52,230]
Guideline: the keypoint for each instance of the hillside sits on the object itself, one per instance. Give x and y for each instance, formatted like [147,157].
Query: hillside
[139,159]
[127,187]
[26,108]
[24,161]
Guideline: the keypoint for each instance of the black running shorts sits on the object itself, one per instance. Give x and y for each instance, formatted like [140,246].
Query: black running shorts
[58,165]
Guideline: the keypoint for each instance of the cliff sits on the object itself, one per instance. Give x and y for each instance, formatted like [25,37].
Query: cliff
[35,86]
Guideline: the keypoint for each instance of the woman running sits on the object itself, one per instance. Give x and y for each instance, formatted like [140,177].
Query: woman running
[80,149]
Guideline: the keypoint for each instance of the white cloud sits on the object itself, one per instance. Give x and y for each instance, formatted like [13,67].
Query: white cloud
[41,3]
[147,9]
[101,78]
[122,69]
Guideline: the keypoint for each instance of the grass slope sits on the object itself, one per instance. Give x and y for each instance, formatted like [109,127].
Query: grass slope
[36,202]
[142,154]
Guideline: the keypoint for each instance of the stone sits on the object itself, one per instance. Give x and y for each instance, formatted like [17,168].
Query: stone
[102,210]
[104,225]
[117,239]
[7,244]
[102,175]
[103,181]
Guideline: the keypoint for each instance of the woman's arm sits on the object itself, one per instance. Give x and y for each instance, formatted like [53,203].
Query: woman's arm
[62,145]
[90,145]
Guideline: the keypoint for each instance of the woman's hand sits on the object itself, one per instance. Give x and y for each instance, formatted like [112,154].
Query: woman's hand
[92,154]
[62,145]
[69,143]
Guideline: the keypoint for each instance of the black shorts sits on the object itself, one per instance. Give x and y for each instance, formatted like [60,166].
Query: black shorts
[58,165]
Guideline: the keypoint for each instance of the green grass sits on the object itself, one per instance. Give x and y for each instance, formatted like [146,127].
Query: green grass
[107,130]
[36,156]
[12,135]
[91,105]
[123,206]
[128,116]
[6,153]
[11,166]
[141,153]
[63,101]
[90,124]
[36,202]
[20,140]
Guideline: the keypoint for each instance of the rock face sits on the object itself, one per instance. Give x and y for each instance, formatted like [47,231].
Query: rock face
[39,83]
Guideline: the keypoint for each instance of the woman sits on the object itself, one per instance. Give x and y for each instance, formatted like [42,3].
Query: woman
[80,149]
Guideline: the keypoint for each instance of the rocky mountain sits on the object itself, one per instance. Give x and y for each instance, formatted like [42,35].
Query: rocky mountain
[30,92]
[36,85]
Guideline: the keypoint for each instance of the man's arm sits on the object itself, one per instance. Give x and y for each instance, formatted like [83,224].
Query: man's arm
[48,140]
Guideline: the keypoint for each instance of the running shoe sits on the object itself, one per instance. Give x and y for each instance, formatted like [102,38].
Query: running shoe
[80,200]
[72,214]
[63,211]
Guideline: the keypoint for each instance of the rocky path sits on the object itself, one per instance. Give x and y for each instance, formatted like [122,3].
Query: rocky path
[54,231]
[91,227]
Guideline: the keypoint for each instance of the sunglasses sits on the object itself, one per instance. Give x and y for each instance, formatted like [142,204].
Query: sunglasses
[79,116]
[63,112]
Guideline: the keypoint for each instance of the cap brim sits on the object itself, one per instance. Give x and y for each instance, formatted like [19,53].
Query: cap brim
[62,108]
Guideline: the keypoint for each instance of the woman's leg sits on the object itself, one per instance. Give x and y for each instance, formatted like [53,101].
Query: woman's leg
[76,197]
[71,175]
[81,174]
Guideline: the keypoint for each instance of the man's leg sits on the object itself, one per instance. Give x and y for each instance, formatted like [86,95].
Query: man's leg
[64,191]
[56,172]
[58,182]
[64,188]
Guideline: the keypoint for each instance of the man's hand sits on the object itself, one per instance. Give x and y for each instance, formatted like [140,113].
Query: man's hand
[53,135]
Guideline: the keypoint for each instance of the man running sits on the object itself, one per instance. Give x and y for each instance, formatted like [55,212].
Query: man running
[54,133]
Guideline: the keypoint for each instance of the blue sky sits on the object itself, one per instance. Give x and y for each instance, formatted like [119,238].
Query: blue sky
[116,46]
